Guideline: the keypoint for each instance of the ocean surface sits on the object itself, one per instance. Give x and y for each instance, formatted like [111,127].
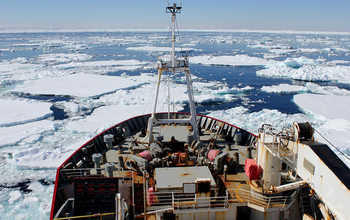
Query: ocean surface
[244,77]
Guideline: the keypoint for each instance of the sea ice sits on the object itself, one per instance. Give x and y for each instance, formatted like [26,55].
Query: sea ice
[283,88]
[252,121]
[308,87]
[310,73]
[122,64]
[324,105]
[337,132]
[105,117]
[309,50]
[15,112]
[27,133]
[63,57]
[283,51]
[15,197]
[295,62]
[39,158]
[36,186]
[81,85]
[160,49]
[268,46]
[237,60]
[17,66]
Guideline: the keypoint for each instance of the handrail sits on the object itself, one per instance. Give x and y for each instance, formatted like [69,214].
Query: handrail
[181,201]
[264,201]
[70,200]
[86,172]
[81,172]
[86,216]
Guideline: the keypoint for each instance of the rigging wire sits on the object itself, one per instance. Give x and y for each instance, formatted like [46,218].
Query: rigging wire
[149,102]
[346,156]
[178,34]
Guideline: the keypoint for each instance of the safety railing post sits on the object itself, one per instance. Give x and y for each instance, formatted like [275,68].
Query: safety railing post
[268,205]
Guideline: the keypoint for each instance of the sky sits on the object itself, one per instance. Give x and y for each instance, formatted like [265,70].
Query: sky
[296,15]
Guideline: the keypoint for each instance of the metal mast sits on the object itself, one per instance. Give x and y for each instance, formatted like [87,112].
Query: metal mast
[175,64]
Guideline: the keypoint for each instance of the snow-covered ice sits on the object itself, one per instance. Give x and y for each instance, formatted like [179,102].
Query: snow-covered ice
[310,73]
[27,133]
[160,49]
[63,57]
[237,60]
[122,64]
[308,87]
[284,88]
[15,197]
[324,105]
[81,85]
[15,112]
[337,132]
[39,158]
[252,121]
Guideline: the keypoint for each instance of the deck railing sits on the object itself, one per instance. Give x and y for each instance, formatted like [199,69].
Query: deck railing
[263,201]
[186,201]
[91,172]
[82,172]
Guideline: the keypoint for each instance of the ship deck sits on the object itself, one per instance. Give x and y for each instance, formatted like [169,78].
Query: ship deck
[129,141]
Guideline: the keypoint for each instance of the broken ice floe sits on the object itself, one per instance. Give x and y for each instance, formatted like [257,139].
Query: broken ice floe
[237,60]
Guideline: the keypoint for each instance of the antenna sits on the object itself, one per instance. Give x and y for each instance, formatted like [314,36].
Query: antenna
[174,9]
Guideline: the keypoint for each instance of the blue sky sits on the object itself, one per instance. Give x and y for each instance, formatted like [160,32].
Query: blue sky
[297,15]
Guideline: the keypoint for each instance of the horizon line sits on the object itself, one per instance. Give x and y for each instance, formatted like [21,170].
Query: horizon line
[48,30]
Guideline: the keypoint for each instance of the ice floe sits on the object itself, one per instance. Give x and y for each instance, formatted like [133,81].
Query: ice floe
[160,49]
[36,186]
[60,64]
[309,50]
[81,85]
[27,133]
[63,57]
[252,121]
[284,88]
[32,205]
[15,112]
[237,60]
[308,87]
[105,117]
[39,158]
[15,197]
[294,62]
[324,105]
[309,73]
[124,64]
[334,111]
[18,66]
[337,131]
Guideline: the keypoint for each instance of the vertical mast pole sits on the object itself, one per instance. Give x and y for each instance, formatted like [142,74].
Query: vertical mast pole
[173,18]
[168,98]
